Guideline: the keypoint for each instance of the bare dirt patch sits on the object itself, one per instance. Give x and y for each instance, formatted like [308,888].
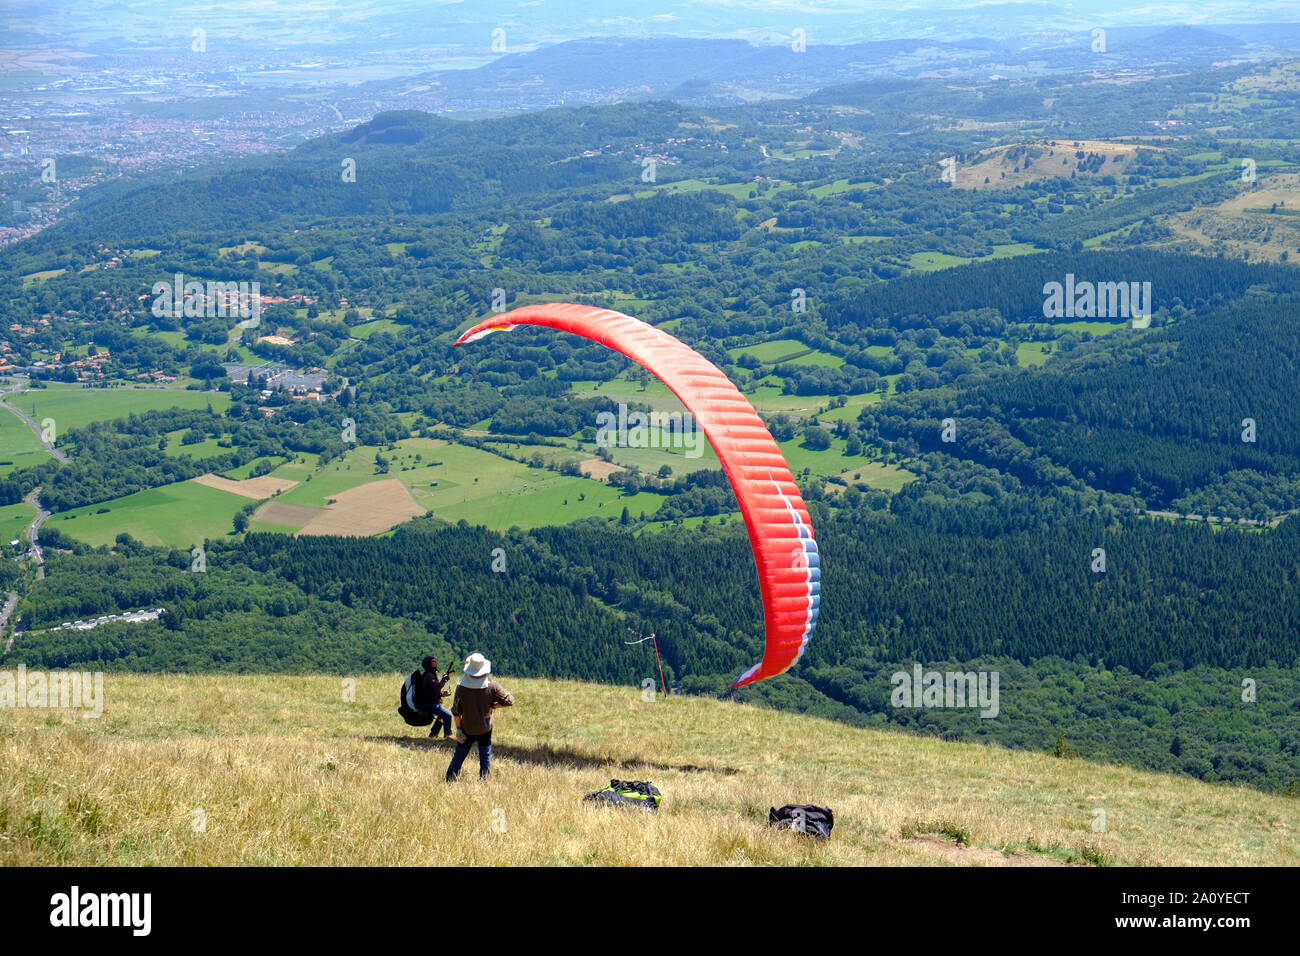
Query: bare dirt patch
[365,510]
[256,488]
[283,513]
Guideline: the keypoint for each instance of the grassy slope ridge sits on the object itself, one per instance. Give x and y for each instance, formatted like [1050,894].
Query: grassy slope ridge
[287,772]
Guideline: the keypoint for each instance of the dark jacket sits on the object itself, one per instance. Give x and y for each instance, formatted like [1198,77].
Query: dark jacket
[473,705]
[428,691]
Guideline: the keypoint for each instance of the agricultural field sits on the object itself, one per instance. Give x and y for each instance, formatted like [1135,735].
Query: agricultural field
[780,351]
[296,469]
[878,476]
[621,389]
[852,407]
[368,509]
[487,489]
[246,471]
[14,520]
[73,406]
[770,399]
[256,489]
[357,467]
[180,515]
[19,446]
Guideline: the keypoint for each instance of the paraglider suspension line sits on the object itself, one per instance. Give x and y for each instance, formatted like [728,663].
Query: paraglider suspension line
[658,660]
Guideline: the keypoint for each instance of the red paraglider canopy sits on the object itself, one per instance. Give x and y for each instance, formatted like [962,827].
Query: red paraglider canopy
[780,531]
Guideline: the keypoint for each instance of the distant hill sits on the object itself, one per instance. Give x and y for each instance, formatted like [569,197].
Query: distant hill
[1184,39]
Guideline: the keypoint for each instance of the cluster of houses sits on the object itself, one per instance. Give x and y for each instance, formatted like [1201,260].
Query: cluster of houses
[86,368]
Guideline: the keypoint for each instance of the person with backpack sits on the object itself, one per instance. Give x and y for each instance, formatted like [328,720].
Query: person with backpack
[477,695]
[432,686]
[421,699]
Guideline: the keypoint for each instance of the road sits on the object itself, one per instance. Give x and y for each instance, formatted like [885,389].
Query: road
[8,609]
[17,386]
[33,530]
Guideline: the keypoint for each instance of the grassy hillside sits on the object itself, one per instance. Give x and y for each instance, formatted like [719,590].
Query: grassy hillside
[285,771]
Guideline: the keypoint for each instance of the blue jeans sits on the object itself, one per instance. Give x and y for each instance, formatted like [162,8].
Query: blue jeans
[484,742]
[441,719]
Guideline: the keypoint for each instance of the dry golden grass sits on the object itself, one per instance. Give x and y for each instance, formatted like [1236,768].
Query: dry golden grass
[368,509]
[255,488]
[286,771]
[1259,224]
[1047,161]
[598,469]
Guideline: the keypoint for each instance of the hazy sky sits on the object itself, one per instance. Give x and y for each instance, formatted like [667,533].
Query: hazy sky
[528,23]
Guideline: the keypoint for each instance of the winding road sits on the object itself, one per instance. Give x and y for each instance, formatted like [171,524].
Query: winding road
[19,383]
[34,529]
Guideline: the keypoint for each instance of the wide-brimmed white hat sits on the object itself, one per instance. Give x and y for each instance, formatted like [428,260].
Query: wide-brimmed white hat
[477,670]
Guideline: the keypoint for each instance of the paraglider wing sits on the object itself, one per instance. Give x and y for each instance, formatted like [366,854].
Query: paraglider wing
[780,531]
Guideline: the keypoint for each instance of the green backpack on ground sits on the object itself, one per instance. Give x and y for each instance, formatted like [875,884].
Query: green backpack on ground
[628,793]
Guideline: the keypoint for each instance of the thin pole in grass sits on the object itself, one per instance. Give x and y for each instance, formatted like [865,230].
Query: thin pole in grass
[658,661]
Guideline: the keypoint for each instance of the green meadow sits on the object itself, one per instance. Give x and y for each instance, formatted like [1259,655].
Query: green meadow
[367,329]
[14,520]
[879,476]
[833,461]
[19,446]
[179,515]
[353,469]
[199,450]
[72,407]
[486,489]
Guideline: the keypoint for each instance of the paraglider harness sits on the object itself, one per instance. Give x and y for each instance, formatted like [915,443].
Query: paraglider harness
[628,793]
[805,818]
[406,700]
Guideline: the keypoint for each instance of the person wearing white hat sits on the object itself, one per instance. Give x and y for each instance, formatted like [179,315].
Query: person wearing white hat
[477,695]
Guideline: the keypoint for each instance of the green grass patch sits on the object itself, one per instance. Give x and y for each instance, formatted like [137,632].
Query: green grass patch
[771,352]
[879,476]
[353,469]
[179,515]
[199,450]
[486,489]
[367,329]
[832,461]
[839,186]
[14,520]
[1030,354]
[19,446]
[246,471]
[72,407]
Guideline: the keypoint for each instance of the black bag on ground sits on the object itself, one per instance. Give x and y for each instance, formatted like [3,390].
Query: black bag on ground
[407,698]
[803,818]
[628,793]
